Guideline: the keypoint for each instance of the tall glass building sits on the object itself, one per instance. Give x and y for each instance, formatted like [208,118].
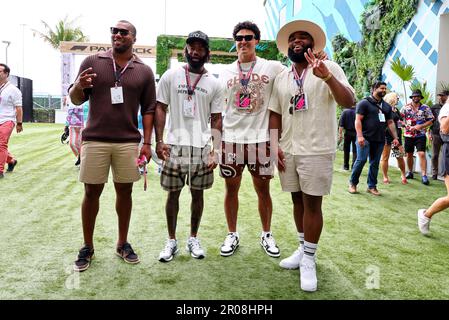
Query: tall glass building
[421,43]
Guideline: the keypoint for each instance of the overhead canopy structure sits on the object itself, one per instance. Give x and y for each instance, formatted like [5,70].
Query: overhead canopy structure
[93,48]
[69,49]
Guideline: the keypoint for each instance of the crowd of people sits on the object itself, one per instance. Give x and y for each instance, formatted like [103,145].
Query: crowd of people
[415,117]
[258,114]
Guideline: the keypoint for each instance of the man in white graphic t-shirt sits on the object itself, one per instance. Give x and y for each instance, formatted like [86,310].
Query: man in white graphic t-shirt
[194,96]
[248,85]
[11,115]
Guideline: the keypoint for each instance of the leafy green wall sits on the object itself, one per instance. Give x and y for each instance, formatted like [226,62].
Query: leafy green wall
[165,45]
[363,62]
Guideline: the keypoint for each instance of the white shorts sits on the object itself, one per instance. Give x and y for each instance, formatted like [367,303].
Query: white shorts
[310,174]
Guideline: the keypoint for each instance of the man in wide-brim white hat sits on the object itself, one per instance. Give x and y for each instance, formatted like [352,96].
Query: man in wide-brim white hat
[303,107]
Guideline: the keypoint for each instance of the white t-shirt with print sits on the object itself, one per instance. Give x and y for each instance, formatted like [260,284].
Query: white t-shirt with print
[11,98]
[313,131]
[208,98]
[249,125]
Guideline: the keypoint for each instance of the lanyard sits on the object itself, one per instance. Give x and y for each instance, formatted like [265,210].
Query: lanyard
[145,179]
[3,87]
[245,80]
[190,88]
[299,80]
[118,75]
[142,163]
[378,105]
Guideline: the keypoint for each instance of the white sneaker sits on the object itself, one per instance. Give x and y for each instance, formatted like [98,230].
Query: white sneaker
[194,247]
[423,222]
[307,270]
[269,245]
[293,261]
[230,244]
[171,248]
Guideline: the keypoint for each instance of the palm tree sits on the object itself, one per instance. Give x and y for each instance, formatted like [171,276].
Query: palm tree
[64,31]
[404,71]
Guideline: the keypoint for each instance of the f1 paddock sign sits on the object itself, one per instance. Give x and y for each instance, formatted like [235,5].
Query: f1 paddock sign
[93,48]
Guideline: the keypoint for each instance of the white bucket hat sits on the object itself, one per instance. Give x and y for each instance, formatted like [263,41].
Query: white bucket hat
[315,31]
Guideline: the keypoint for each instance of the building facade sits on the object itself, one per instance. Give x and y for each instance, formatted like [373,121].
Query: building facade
[421,43]
[334,16]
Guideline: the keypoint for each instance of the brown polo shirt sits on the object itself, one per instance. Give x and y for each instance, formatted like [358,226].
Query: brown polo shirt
[109,122]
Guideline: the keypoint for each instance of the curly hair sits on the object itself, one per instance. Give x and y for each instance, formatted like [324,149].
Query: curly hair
[247,25]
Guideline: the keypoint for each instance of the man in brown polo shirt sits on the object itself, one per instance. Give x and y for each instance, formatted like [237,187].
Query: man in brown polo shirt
[116,83]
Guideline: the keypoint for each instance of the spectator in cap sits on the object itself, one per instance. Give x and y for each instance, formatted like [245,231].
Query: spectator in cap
[193,95]
[434,132]
[198,36]
[417,117]
[303,115]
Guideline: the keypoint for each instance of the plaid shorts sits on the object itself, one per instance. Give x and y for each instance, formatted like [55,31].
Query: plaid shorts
[187,165]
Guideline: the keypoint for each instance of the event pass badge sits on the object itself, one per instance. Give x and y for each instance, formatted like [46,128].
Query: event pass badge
[189,108]
[243,101]
[299,102]
[117,95]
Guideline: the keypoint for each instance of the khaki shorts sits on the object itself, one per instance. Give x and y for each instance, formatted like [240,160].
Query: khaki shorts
[309,174]
[97,157]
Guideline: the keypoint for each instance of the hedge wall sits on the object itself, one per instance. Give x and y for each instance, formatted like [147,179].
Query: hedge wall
[363,62]
[165,45]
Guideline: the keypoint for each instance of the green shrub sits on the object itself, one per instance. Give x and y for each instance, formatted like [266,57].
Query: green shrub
[44,115]
[166,44]
[381,22]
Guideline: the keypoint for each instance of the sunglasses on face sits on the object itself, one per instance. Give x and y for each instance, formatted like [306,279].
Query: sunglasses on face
[248,37]
[123,32]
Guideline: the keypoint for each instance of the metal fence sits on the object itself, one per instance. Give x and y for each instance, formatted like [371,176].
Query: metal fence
[44,107]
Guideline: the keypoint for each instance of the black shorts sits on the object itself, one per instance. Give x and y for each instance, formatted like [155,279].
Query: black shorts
[445,151]
[389,138]
[411,143]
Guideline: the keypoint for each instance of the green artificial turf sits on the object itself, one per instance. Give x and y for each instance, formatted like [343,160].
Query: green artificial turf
[367,241]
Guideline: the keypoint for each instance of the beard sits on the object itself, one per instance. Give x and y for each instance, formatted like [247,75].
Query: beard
[298,57]
[195,64]
[121,48]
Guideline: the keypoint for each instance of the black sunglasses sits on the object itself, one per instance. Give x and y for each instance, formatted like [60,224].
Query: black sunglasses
[248,37]
[123,32]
